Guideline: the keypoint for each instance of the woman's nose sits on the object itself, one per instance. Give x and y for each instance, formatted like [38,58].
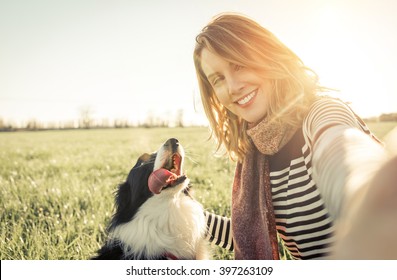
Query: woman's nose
[235,85]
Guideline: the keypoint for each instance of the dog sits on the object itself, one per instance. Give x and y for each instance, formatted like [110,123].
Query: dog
[156,218]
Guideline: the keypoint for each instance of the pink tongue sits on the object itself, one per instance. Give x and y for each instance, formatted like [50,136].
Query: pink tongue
[159,179]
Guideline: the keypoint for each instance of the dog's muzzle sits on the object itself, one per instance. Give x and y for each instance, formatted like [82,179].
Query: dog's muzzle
[170,173]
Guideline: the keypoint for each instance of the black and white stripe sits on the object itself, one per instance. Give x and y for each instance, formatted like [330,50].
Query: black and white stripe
[303,210]
[219,231]
[301,218]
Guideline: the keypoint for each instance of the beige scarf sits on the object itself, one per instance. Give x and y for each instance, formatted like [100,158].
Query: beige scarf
[253,221]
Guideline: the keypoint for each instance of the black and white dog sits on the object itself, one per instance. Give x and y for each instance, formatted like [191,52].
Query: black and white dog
[155,216]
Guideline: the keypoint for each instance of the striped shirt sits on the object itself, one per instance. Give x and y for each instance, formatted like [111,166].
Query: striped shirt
[308,179]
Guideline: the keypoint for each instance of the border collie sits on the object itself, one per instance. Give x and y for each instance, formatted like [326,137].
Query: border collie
[156,218]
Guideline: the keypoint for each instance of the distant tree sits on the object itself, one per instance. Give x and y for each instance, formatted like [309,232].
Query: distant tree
[86,120]
[33,125]
[4,126]
[392,117]
[179,118]
[150,120]
[121,123]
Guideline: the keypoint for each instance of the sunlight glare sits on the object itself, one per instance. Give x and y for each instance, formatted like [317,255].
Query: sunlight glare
[343,60]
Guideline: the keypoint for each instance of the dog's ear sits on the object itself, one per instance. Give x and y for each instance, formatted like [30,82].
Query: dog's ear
[122,200]
[132,194]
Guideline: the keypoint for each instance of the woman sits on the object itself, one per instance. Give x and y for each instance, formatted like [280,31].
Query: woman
[301,155]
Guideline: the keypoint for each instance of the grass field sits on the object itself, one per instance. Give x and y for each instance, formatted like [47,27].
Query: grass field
[56,187]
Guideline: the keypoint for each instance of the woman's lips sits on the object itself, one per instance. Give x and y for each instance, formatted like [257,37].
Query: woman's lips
[244,101]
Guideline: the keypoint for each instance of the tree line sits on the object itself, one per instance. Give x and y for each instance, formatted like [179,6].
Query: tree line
[86,121]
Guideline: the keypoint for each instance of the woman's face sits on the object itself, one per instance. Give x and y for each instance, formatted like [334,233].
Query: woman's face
[240,90]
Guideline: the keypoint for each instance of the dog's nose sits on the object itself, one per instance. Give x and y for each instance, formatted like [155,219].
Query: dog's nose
[174,141]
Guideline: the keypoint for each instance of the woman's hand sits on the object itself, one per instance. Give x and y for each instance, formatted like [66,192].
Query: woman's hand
[369,229]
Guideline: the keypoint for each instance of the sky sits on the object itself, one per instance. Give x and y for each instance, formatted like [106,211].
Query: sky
[129,59]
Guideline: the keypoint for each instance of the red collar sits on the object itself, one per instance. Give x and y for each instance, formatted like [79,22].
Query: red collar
[170,256]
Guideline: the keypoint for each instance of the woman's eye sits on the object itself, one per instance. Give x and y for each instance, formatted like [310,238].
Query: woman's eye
[217,80]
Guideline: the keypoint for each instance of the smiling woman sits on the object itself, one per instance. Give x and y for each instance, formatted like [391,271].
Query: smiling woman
[301,155]
[247,74]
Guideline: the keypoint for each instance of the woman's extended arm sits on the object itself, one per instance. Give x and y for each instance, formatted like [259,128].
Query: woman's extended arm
[219,231]
[353,173]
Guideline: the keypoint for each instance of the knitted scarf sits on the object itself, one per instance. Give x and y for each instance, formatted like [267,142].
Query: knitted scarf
[253,221]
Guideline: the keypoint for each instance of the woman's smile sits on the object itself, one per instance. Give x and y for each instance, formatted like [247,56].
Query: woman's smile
[246,100]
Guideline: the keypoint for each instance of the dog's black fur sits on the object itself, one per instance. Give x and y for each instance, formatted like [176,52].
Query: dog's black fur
[128,200]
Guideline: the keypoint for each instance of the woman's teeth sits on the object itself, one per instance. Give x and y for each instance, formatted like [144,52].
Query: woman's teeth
[246,99]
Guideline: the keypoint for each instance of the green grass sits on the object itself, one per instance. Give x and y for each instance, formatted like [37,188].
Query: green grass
[56,187]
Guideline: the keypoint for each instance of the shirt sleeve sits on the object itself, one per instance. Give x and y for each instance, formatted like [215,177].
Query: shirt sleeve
[219,231]
[345,154]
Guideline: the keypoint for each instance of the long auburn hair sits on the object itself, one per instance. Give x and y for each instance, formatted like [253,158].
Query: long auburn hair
[242,41]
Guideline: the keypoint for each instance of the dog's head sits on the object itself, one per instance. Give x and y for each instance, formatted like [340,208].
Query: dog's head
[167,169]
[158,173]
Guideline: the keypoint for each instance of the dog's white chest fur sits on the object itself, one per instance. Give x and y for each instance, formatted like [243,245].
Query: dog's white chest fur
[169,222]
